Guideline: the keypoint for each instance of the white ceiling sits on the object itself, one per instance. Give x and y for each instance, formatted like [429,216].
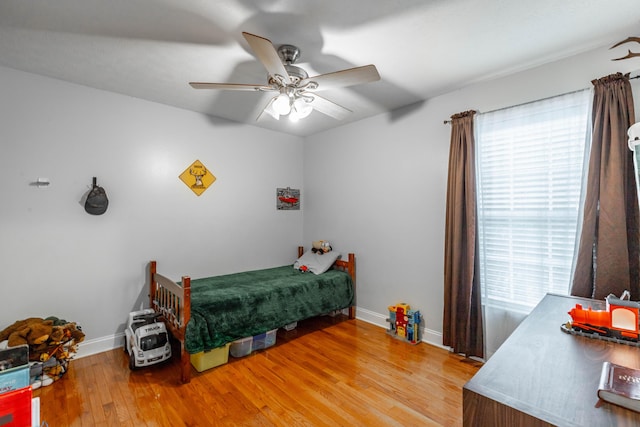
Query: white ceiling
[151,49]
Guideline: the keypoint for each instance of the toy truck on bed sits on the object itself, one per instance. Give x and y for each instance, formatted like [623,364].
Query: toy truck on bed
[146,339]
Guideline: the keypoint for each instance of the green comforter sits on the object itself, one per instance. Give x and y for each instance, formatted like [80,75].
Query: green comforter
[229,307]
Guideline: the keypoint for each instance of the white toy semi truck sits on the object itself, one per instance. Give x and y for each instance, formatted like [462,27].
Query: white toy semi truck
[146,341]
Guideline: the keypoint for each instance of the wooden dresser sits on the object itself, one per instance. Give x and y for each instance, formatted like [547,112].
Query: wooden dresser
[542,376]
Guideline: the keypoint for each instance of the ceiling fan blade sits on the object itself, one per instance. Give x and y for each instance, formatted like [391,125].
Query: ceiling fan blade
[230,86]
[267,54]
[344,78]
[329,108]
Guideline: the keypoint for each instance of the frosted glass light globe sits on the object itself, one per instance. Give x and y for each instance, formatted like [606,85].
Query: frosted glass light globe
[302,108]
[282,105]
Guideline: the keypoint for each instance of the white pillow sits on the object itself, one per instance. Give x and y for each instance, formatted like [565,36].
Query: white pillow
[316,263]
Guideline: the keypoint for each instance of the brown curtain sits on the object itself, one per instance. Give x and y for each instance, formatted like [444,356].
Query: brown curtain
[462,324]
[608,252]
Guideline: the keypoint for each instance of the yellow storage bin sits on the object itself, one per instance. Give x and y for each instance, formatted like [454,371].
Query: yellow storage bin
[210,359]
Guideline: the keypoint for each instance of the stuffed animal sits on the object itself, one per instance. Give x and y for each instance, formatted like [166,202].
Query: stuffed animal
[321,247]
[57,321]
[58,333]
[54,372]
[70,336]
[33,331]
[71,329]
[45,337]
[74,332]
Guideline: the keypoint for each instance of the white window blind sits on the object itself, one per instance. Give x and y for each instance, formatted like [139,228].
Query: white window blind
[529,164]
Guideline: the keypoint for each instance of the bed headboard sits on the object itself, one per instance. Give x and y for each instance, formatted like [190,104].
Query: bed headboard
[348,265]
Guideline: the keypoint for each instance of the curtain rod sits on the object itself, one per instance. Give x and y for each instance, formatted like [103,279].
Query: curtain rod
[446,122]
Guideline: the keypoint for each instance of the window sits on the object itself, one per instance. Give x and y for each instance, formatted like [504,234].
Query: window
[530,162]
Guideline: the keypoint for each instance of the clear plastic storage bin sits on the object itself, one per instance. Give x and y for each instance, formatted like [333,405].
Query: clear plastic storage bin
[241,347]
[265,340]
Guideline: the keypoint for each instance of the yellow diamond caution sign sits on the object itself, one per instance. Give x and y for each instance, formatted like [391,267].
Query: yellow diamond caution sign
[197,177]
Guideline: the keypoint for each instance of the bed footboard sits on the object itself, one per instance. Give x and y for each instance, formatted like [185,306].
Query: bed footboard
[173,301]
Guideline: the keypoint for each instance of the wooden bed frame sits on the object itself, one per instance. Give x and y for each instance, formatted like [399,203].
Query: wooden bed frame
[173,301]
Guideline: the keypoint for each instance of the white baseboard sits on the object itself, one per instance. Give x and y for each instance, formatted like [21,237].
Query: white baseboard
[372,317]
[98,345]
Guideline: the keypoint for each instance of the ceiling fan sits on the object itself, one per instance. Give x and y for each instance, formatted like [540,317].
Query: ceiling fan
[296,92]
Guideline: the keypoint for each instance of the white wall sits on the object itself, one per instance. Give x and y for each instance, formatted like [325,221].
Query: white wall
[378,187]
[56,260]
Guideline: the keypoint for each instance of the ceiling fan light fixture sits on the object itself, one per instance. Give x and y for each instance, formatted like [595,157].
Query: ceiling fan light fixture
[270,111]
[293,117]
[295,90]
[282,104]
[301,108]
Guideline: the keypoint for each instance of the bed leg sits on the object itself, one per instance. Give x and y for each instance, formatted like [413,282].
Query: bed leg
[352,312]
[185,364]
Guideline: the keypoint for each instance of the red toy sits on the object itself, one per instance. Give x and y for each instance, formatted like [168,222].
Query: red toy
[619,321]
[404,323]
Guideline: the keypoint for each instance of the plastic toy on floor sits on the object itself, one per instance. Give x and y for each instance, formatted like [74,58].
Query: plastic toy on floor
[404,323]
[146,339]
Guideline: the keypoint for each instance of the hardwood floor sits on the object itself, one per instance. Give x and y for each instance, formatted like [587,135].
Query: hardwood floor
[327,372]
